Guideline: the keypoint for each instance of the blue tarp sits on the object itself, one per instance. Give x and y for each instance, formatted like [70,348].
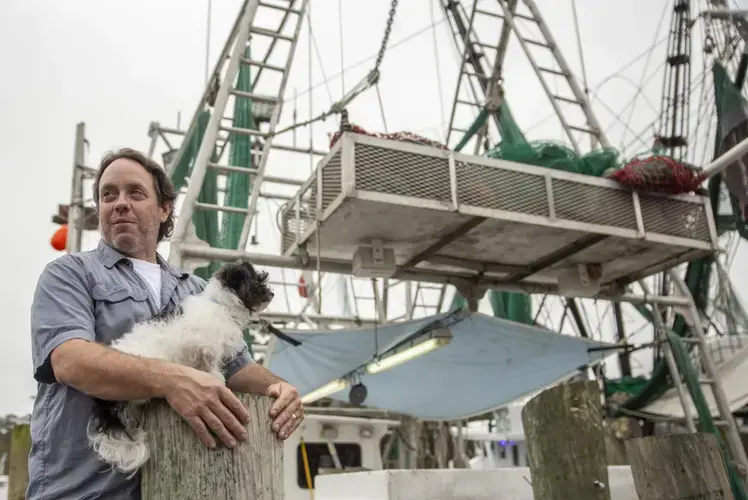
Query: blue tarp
[489,362]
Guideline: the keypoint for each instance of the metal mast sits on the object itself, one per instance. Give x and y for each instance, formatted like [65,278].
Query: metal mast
[676,85]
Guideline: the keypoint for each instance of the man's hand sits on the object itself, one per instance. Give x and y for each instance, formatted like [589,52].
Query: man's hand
[287,410]
[205,402]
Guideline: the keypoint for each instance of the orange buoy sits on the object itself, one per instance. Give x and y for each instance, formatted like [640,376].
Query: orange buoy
[59,240]
[302,288]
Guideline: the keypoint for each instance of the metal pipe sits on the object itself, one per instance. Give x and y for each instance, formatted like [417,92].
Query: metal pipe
[76,210]
[339,320]
[731,156]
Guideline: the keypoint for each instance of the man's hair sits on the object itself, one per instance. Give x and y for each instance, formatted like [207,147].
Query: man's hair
[165,190]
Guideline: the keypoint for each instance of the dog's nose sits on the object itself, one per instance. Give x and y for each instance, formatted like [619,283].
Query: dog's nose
[272,295]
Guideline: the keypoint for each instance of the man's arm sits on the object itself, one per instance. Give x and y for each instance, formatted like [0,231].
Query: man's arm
[64,350]
[107,374]
[249,377]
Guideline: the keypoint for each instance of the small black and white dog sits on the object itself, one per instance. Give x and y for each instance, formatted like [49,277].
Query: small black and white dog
[206,330]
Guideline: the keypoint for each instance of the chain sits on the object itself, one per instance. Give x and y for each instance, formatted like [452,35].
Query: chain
[373,76]
[387,30]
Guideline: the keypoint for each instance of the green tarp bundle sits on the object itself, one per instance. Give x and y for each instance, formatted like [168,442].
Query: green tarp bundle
[223,233]
[509,305]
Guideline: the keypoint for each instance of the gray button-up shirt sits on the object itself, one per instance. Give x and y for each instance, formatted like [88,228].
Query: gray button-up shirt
[96,296]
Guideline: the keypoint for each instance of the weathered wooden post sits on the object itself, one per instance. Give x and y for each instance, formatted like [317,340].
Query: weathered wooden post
[181,466]
[18,462]
[678,466]
[565,442]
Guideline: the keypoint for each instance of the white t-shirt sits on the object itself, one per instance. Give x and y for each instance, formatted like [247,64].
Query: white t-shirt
[151,274]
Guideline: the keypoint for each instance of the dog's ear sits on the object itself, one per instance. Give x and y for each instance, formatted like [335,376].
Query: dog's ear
[235,276]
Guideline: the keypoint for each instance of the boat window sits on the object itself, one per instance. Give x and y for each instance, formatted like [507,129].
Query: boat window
[318,455]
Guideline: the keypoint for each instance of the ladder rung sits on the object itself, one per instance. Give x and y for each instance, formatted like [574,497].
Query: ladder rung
[468,103]
[270,33]
[526,18]
[244,131]
[536,42]
[706,381]
[490,14]
[278,7]
[219,208]
[255,97]
[566,99]
[476,75]
[231,168]
[296,149]
[581,129]
[261,64]
[486,46]
[253,171]
[501,16]
[552,71]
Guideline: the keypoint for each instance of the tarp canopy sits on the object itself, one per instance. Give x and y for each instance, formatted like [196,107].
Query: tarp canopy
[489,362]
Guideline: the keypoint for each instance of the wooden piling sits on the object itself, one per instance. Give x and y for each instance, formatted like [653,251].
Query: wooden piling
[566,445]
[18,462]
[679,467]
[181,466]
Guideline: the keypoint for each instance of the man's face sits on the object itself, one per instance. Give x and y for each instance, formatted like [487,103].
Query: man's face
[129,212]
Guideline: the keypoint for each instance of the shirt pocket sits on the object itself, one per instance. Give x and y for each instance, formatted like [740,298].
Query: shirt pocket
[118,308]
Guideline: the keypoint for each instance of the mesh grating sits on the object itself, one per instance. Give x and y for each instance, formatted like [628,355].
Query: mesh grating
[401,173]
[674,217]
[489,187]
[294,226]
[593,204]
[288,235]
[332,180]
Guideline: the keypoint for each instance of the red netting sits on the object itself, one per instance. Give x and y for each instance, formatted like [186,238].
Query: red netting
[395,136]
[658,174]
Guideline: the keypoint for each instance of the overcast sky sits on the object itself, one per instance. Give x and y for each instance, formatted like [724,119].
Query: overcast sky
[117,66]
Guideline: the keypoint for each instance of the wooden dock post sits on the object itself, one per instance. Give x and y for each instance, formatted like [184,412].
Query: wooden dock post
[678,466]
[566,445]
[181,466]
[18,462]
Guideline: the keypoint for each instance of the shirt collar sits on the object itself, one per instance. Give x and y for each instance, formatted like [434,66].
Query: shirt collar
[109,257]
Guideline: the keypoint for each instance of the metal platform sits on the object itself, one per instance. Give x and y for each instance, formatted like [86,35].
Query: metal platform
[515,224]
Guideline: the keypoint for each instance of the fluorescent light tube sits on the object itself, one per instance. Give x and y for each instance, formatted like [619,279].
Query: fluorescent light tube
[406,355]
[324,391]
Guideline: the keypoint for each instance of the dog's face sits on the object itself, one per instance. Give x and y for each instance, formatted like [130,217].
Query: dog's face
[248,284]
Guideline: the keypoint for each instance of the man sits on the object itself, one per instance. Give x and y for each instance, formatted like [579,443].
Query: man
[83,301]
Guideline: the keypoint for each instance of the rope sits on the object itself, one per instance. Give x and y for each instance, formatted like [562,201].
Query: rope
[340,37]
[307,472]
[640,89]
[381,108]
[579,44]
[439,91]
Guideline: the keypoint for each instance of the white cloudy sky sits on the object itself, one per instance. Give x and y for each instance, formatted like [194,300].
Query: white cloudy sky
[117,66]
